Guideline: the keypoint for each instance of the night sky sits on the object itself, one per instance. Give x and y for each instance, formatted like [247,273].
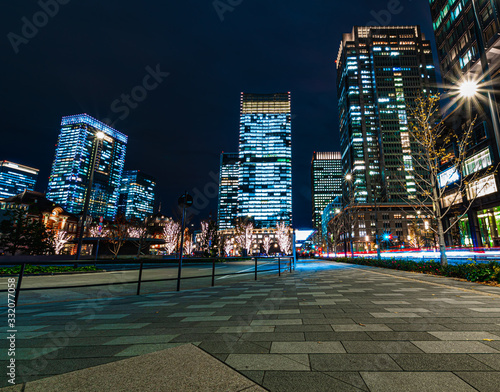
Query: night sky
[84,57]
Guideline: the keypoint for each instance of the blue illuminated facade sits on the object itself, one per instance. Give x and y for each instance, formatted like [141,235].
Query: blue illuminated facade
[137,195]
[16,178]
[265,153]
[380,73]
[228,190]
[71,167]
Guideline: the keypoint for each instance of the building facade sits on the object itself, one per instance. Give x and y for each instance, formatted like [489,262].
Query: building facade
[326,183]
[381,71]
[16,178]
[228,190]
[468,42]
[72,166]
[137,195]
[265,153]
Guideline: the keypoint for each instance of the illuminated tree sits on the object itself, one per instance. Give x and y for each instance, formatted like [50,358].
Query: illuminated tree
[171,233]
[283,237]
[266,244]
[442,178]
[209,238]
[228,245]
[60,239]
[244,234]
[138,235]
[188,242]
[93,231]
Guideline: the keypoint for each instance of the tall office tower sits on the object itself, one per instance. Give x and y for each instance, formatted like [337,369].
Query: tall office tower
[137,195]
[326,183]
[16,178]
[380,73]
[265,151]
[228,190]
[72,166]
[468,42]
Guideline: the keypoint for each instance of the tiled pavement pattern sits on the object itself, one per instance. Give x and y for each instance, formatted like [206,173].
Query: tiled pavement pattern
[331,328]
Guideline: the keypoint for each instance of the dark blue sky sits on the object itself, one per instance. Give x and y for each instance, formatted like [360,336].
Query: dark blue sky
[89,53]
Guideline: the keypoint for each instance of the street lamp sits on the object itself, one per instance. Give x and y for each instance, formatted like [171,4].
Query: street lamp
[99,136]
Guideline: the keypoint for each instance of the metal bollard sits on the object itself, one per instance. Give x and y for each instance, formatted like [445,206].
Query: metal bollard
[279,266]
[139,280]
[19,280]
[213,273]
[256,268]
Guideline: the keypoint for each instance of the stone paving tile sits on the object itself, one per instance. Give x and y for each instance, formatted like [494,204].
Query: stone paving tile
[360,328]
[307,348]
[439,362]
[246,329]
[375,335]
[240,347]
[380,347]
[336,336]
[274,337]
[120,326]
[141,349]
[449,346]
[141,339]
[295,362]
[482,335]
[482,381]
[491,360]
[277,322]
[415,382]
[304,328]
[286,381]
[387,315]
[353,362]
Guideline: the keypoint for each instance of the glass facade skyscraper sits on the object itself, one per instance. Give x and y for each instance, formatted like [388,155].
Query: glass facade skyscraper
[228,190]
[380,73]
[137,195]
[326,183]
[468,43]
[265,152]
[16,178]
[71,167]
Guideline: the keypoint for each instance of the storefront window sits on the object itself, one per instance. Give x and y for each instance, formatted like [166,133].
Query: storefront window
[477,162]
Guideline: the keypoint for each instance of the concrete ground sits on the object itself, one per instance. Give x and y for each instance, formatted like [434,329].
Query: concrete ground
[326,327]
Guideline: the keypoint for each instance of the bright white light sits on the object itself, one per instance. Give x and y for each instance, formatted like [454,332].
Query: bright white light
[100,135]
[468,89]
[348,177]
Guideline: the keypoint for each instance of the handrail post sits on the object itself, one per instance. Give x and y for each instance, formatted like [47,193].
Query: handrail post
[19,280]
[279,266]
[256,268]
[291,262]
[139,281]
[213,273]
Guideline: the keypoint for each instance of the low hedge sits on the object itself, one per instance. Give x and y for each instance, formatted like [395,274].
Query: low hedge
[473,272]
[36,269]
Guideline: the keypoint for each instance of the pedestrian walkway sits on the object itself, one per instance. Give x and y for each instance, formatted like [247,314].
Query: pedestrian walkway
[326,327]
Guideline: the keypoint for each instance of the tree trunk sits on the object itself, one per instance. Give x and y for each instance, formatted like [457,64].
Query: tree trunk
[442,244]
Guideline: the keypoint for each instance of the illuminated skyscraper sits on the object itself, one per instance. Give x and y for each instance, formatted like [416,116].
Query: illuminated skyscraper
[326,183]
[228,190]
[137,195]
[380,73]
[16,178]
[71,168]
[468,43]
[265,152]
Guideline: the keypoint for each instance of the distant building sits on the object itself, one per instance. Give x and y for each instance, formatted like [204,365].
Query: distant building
[228,190]
[16,178]
[137,195]
[265,152]
[326,183]
[71,168]
[329,212]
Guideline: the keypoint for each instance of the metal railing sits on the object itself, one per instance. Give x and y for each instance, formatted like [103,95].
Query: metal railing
[286,262]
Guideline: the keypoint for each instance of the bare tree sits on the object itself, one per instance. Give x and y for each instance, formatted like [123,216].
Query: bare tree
[188,242]
[171,233]
[138,235]
[117,234]
[283,237]
[441,176]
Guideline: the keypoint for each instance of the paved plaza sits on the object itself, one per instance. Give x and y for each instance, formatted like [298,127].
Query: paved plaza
[325,327]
